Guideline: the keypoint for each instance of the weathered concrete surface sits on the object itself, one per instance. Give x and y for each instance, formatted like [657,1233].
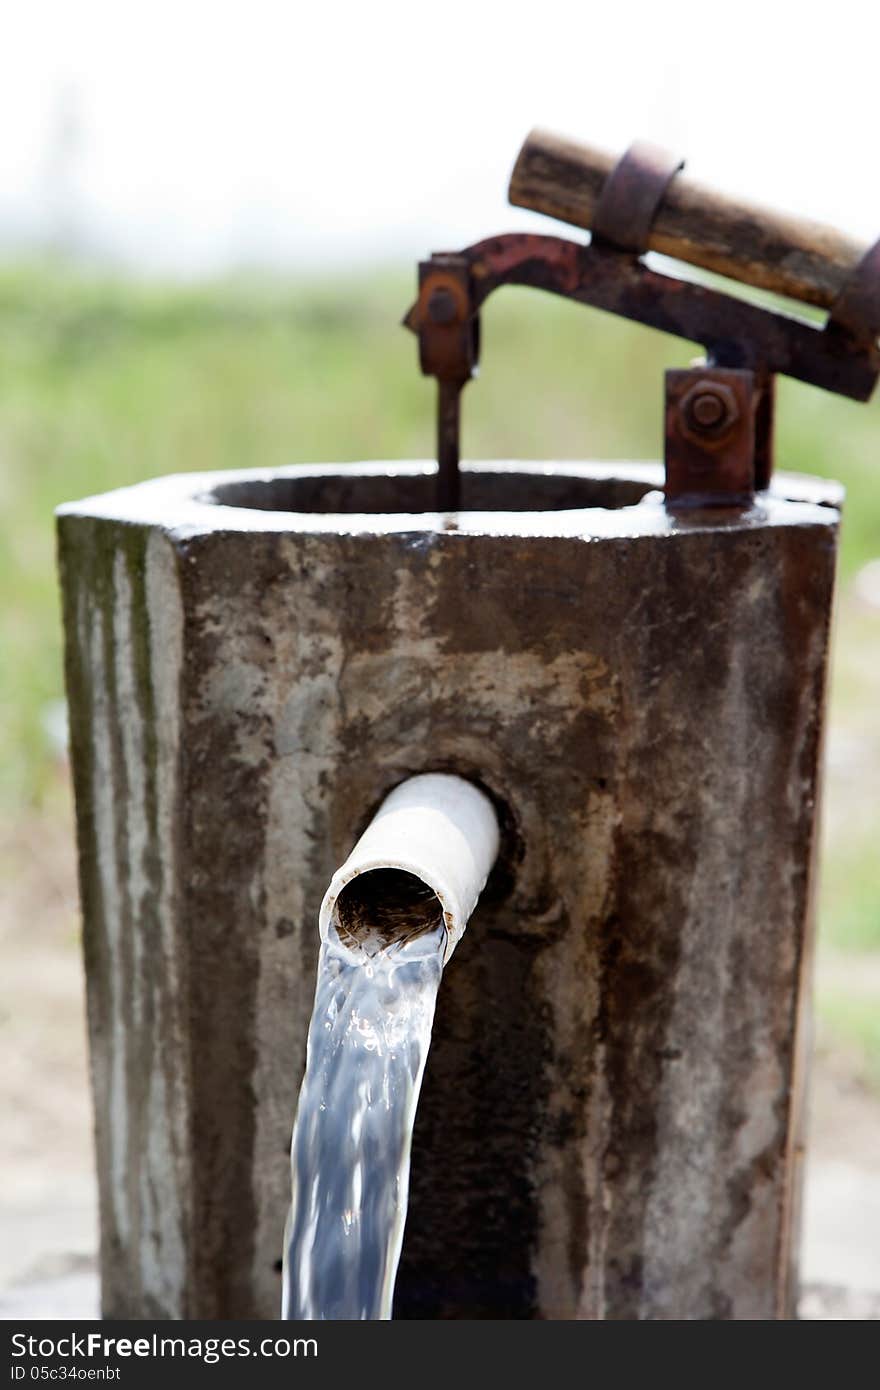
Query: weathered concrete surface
[609,1126]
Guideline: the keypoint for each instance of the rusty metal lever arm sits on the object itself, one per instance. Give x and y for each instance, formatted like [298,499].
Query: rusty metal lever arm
[734,333]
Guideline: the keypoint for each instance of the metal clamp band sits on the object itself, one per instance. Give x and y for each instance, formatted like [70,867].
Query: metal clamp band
[856,309]
[632,194]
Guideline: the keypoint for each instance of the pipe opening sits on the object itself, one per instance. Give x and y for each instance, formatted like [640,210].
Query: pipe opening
[418,868]
[384,907]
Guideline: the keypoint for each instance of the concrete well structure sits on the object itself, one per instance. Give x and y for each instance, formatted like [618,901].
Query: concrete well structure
[611,1116]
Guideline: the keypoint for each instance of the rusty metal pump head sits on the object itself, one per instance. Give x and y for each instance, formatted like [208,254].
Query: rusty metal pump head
[719,414]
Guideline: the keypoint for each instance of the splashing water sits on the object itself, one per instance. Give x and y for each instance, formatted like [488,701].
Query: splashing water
[378,977]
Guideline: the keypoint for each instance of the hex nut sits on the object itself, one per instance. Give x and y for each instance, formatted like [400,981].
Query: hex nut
[442,307]
[709,409]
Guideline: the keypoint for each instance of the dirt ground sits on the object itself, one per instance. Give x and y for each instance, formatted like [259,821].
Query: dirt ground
[47,1194]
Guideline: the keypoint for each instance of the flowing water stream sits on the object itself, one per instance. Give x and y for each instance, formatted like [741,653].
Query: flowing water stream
[378,976]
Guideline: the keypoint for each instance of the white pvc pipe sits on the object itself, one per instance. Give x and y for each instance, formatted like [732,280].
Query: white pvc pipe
[438,827]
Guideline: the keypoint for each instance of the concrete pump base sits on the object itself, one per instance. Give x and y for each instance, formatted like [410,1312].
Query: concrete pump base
[610,1121]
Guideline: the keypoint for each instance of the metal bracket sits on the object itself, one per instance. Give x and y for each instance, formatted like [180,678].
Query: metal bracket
[710,437]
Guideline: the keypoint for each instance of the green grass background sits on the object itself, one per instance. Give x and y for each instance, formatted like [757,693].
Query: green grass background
[105,382]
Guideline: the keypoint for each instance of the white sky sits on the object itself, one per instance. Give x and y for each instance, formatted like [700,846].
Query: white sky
[204,135]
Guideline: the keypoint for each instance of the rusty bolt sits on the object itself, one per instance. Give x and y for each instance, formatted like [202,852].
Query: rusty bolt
[442,306]
[709,408]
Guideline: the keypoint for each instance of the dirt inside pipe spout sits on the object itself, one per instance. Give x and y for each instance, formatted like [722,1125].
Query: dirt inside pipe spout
[384,907]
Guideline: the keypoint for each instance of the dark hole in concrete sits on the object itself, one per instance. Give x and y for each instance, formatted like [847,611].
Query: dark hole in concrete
[483,492]
[383,906]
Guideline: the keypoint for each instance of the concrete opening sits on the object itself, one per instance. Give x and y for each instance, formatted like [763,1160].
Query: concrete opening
[482,491]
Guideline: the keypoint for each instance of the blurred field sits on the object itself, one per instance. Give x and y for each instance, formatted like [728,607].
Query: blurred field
[104,383]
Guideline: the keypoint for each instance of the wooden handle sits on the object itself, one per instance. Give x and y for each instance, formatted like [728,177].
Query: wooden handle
[788,255]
